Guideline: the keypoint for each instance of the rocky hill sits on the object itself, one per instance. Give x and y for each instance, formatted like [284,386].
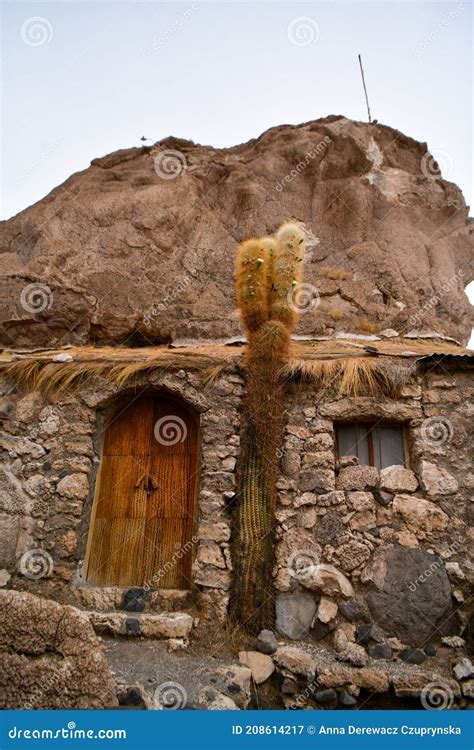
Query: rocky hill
[140,246]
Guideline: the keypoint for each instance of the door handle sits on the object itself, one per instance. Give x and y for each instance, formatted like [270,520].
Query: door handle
[149,483]
[140,480]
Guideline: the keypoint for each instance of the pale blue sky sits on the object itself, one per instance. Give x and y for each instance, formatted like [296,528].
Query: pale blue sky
[221,73]
[106,73]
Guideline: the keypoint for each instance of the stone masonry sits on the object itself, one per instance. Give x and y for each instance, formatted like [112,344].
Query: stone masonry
[349,539]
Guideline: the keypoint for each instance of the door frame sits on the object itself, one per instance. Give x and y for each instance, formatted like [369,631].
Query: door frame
[113,407]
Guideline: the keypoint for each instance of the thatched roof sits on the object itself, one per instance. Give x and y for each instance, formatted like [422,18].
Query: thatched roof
[356,367]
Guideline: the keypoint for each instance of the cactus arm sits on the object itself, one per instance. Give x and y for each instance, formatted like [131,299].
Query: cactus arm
[286,272]
[252,282]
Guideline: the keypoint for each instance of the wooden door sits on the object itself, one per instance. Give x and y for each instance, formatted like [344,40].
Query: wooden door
[144,508]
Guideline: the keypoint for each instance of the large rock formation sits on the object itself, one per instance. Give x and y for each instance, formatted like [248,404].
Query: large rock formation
[148,234]
[50,657]
[411,597]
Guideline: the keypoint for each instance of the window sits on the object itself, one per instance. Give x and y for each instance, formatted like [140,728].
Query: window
[376,444]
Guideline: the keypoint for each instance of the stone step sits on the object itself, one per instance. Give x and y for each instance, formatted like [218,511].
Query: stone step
[129,599]
[133,624]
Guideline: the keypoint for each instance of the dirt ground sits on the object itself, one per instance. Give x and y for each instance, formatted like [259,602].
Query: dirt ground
[149,663]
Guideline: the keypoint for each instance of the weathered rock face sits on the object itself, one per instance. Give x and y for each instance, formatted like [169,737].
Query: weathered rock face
[50,657]
[122,242]
[413,596]
[294,615]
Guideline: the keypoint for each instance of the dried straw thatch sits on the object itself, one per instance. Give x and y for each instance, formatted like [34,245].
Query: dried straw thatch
[42,371]
[350,367]
[356,376]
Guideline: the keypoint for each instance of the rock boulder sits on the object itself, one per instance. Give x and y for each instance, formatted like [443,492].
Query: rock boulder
[411,595]
[131,251]
[50,657]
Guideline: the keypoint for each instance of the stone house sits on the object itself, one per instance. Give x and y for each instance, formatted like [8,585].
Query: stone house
[122,379]
[373,496]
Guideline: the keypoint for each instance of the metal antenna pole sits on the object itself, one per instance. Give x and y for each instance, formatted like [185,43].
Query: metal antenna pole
[365,89]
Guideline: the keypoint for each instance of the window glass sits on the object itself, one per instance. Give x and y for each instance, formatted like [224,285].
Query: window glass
[379,445]
[353,441]
[388,445]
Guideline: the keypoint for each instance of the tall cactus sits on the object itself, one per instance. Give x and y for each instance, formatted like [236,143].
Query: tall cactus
[267,271]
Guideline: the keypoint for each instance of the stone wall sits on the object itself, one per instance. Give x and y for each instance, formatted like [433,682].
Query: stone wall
[352,544]
[391,546]
[50,456]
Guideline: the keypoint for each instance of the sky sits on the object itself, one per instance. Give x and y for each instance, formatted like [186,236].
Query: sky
[81,79]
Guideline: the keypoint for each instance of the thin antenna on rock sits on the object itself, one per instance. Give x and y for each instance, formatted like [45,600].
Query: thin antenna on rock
[365,89]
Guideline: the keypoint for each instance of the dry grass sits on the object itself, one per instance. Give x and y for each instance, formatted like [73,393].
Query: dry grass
[361,376]
[337,313]
[36,370]
[366,326]
[213,373]
[185,356]
[337,274]
[117,367]
[390,347]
